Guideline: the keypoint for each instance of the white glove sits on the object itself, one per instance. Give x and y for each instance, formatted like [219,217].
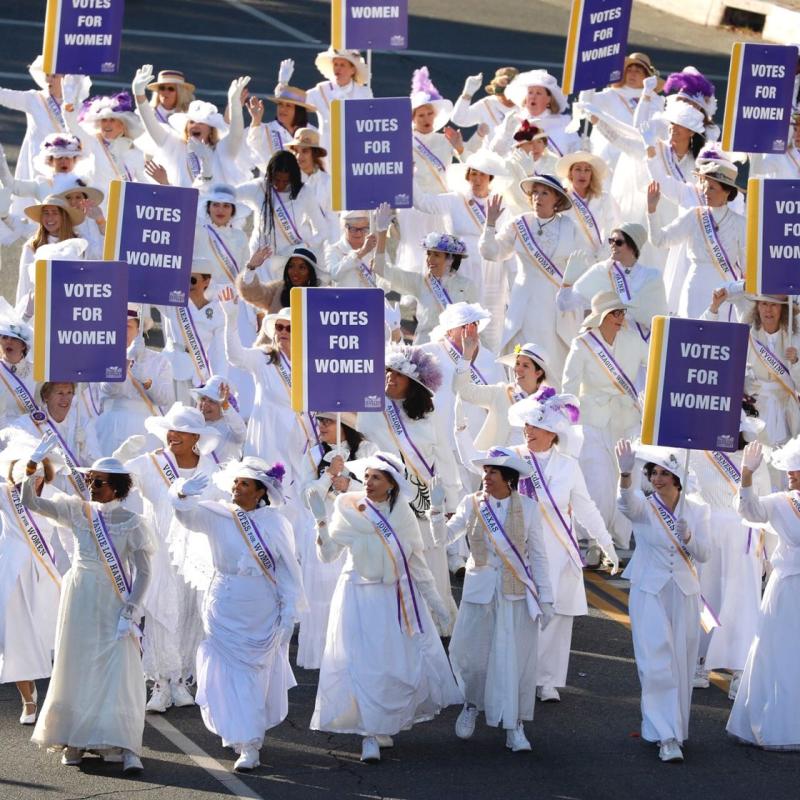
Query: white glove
[626,458]
[437,494]
[285,631]
[682,528]
[144,76]
[473,83]
[752,456]
[71,89]
[48,442]
[548,612]
[391,315]
[383,217]
[317,505]
[649,134]
[125,625]
[649,84]
[135,349]
[6,178]
[195,485]
[440,614]
[286,70]
[611,556]
[236,88]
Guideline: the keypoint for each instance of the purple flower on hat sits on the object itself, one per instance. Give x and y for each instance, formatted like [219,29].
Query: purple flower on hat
[421,82]
[544,394]
[496,452]
[416,364]
[445,242]
[277,471]
[61,141]
[120,103]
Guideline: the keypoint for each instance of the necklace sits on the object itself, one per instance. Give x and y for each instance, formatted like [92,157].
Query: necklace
[543,225]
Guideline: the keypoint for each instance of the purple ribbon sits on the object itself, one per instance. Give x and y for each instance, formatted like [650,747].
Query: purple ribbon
[511,544]
[431,468]
[102,520]
[222,244]
[288,216]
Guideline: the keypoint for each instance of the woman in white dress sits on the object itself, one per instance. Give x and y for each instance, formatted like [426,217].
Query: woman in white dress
[17,387]
[765,710]
[665,601]
[555,481]
[291,114]
[541,241]
[490,110]
[507,597]
[601,371]
[250,608]
[384,668]
[324,472]
[97,692]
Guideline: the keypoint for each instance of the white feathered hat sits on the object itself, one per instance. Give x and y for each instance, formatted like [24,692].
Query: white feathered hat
[199,111]
[423,92]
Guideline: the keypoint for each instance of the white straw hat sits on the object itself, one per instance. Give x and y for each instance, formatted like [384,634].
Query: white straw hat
[324,63]
[603,303]
[487,162]
[599,167]
[184,419]
[504,457]
[34,211]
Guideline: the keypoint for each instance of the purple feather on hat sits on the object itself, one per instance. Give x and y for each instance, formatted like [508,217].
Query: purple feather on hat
[421,82]
[544,394]
[711,152]
[277,471]
[691,83]
[427,368]
[573,412]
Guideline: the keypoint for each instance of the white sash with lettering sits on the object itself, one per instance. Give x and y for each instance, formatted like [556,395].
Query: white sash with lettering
[669,162]
[194,347]
[476,211]
[366,275]
[18,390]
[53,110]
[607,361]
[586,220]
[437,290]
[109,557]
[118,165]
[726,467]
[617,278]
[456,357]
[412,457]
[166,469]
[431,160]
[779,371]
[255,543]
[221,252]
[33,536]
[719,258]
[284,220]
[41,420]
[506,551]
[536,254]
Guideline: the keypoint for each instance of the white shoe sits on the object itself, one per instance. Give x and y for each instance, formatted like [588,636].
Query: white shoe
[370,750]
[670,751]
[548,694]
[384,741]
[700,679]
[160,698]
[465,723]
[248,759]
[72,756]
[594,555]
[131,763]
[181,696]
[30,719]
[736,681]
[516,741]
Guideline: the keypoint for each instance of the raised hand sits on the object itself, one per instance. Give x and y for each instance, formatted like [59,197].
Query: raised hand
[494,208]
[144,76]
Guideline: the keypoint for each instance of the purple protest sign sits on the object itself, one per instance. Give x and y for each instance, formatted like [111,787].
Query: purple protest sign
[151,227]
[758,103]
[369,24]
[338,352]
[695,383]
[80,321]
[596,42]
[371,157]
[82,36]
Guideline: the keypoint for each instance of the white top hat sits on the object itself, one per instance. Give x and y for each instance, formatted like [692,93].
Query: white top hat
[199,111]
[386,462]
[504,457]
[184,419]
[457,314]
[787,458]
[255,469]
[109,465]
[487,162]
[324,63]
[517,90]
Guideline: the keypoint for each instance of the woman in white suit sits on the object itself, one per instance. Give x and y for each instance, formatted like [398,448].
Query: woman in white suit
[665,602]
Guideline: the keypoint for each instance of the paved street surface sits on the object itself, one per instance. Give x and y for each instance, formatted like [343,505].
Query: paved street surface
[586,747]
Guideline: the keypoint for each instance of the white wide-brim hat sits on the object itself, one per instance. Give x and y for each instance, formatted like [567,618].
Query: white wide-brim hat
[324,63]
[415,363]
[526,186]
[442,107]
[671,459]
[603,303]
[268,323]
[66,183]
[787,458]
[720,170]
[134,127]
[557,413]
[34,212]
[504,457]
[535,352]
[202,112]
[224,193]
[457,314]
[517,90]
[781,299]
[348,418]
[170,77]
[487,162]
[212,389]
[12,325]
[289,94]
[386,462]
[599,167]
[184,419]
[107,464]
[679,112]
[255,469]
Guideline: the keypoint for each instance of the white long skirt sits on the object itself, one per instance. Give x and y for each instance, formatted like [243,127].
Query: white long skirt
[436,559]
[666,636]
[243,675]
[28,626]
[97,691]
[375,679]
[554,645]
[765,712]
[493,653]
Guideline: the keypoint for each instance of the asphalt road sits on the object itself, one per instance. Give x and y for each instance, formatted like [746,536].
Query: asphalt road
[586,747]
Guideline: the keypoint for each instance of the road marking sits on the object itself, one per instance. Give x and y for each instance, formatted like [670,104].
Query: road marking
[623,659]
[607,587]
[270,20]
[203,760]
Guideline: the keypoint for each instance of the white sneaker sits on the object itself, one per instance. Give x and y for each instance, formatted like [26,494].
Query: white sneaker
[700,679]
[670,751]
[516,741]
[248,759]
[465,723]
[370,750]
[30,718]
[160,698]
[72,756]
[384,741]
[181,696]
[131,763]
[548,694]
[736,682]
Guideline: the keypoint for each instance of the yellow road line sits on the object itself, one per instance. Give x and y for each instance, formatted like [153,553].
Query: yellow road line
[616,593]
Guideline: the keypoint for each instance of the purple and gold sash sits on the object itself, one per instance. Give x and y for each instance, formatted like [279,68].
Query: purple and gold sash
[438,291]
[586,220]
[454,354]
[222,254]
[413,459]
[777,369]
[109,557]
[194,347]
[255,543]
[719,258]
[32,535]
[284,219]
[607,361]
[536,254]
[432,161]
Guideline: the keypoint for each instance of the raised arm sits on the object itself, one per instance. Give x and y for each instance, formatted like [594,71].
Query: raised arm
[158,132]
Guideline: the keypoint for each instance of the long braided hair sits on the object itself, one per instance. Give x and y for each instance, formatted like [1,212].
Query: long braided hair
[282,161]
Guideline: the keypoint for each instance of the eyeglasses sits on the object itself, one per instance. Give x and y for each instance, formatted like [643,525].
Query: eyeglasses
[358,229]
[617,242]
[279,327]
[617,312]
[98,483]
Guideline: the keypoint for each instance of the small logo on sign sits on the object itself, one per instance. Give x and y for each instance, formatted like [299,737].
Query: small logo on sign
[108,66]
[397,41]
[372,401]
[177,296]
[724,440]
[401,200]
[779,145]
[615,76]
[113,372]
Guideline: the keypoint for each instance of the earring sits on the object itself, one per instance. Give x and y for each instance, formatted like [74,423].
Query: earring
[195,449]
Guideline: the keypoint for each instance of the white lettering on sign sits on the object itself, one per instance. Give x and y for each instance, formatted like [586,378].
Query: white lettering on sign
[377,125]
[600,52]
[768,70]
[701,402]
[789,251]
[379,168]
[761,112]
[87,289]
[87,337]
[344,317]
[375,12]
[710,352]
[89,39]
[98,4]
[787,206]
[596,17]
[139,258]
[160,213]
[334,366]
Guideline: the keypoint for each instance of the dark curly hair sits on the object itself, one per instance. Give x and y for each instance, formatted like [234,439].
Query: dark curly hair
[418,402]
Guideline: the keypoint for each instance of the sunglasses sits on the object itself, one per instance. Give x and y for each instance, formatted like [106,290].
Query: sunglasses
[279,327]
[617,242]
[98,483]
[194,280]
[618,312]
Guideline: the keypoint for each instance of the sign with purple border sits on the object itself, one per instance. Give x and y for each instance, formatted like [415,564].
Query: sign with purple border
[82,37]
[369,24]
[371,158]
[151,227]
[695,384]
[80,321]
[338,350]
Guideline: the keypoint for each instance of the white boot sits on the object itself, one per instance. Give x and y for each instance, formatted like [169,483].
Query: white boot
[384,741]
[131,763]
[248,759]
